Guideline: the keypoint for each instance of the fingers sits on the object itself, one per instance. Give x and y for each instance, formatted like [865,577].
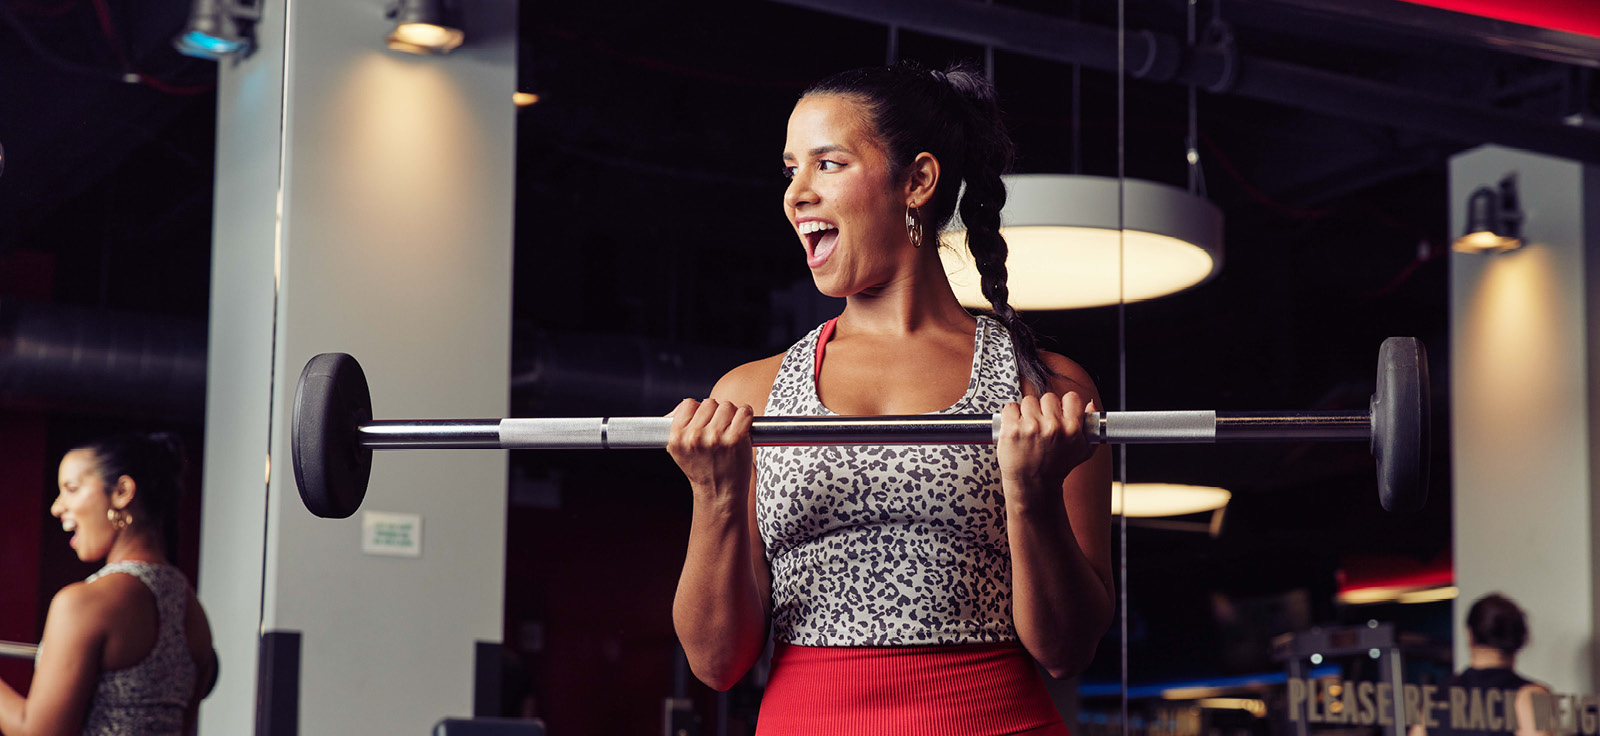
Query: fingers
[709,423]
[1047,415]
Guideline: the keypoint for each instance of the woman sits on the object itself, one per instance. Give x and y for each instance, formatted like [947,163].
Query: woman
[909,589]
[126,652]
[1496,631]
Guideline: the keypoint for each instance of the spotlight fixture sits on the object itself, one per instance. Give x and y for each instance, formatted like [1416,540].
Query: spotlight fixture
[426,26]
[218,29]
[1068,250]
[1494,222]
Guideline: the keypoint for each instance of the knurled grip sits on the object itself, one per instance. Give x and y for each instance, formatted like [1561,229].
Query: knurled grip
[1134,427]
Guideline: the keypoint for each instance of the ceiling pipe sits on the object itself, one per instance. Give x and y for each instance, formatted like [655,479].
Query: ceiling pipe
[56,357]
[1161,57]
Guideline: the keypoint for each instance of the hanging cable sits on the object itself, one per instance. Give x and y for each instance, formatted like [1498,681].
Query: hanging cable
[1122,343]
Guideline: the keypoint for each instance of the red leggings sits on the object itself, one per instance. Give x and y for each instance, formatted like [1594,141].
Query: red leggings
[969,690]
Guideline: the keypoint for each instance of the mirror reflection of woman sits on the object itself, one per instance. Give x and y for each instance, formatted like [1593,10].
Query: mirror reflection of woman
[906,588]
[126,652]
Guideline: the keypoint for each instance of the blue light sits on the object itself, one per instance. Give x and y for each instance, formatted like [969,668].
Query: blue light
[206,46]
[1154,690]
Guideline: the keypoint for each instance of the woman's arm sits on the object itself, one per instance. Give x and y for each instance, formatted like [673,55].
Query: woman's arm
[64,675]
[1058,520]
[721,607]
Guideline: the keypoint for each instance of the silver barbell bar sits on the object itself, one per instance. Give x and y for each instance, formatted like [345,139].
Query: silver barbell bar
[18,650]
[601,433]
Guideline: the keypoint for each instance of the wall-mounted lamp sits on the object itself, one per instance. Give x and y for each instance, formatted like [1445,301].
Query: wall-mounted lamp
[218,29]
[426,26]
[1494,222]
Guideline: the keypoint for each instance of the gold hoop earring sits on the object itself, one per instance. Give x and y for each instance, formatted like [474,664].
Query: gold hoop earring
[119,518]
[914,227]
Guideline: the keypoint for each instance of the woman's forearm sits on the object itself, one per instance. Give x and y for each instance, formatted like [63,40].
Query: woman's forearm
[1060,604]
[12,709]
[717,611]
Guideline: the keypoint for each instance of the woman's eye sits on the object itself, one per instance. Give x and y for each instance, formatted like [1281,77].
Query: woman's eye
[826,165]
[788,172]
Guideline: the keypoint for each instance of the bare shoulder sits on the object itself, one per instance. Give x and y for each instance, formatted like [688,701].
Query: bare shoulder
[1069,376]
[84,608]
[750,383]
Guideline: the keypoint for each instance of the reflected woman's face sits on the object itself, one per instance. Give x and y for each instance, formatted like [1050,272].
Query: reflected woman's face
[846,209]
[82,500]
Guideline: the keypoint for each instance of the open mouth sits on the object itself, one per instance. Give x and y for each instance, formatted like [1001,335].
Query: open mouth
[820,238]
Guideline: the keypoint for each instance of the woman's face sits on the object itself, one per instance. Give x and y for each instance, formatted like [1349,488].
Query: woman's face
[82,500]
[847,210]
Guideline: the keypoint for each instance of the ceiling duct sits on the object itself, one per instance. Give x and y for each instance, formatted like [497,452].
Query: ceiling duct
[1158,56]
[56,357]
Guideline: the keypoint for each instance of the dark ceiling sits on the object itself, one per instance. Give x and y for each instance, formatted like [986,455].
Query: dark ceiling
[648,207]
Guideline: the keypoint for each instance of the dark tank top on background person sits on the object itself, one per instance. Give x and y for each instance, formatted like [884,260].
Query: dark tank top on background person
[1502,679]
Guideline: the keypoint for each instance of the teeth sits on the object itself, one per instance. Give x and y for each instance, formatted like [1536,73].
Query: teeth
[813,226]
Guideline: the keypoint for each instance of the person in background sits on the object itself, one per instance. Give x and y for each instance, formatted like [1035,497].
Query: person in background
[1496,630]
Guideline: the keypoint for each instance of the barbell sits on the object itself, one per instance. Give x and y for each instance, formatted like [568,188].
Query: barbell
[18,650]
[333,433]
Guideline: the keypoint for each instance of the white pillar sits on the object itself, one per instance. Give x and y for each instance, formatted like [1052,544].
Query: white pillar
[1525,408]
[363,205]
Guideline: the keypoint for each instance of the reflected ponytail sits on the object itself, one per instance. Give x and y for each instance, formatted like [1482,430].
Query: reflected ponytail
[156,463]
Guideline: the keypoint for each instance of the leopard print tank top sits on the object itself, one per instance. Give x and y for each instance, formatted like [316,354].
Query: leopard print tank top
[149,698]
[880,545]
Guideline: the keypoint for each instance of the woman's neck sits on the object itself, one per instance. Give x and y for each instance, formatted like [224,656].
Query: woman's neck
[919,298]
[136,546]
[1483,658]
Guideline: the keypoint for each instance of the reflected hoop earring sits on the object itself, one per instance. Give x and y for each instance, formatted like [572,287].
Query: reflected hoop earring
[914,227]
[119,518]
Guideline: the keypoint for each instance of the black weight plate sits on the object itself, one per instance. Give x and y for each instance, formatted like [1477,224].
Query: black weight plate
[330,465]
[1400,424]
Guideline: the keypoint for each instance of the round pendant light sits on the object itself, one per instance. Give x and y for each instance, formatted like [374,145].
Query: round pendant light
[1145,500]
[1067,250]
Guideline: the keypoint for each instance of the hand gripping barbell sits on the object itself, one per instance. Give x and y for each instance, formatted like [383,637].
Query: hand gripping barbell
[334,434]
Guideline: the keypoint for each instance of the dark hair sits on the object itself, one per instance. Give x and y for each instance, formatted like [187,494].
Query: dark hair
[1495,621]
[156,463]
[953,115]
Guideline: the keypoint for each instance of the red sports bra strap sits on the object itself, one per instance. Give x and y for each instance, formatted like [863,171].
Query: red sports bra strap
[822,344]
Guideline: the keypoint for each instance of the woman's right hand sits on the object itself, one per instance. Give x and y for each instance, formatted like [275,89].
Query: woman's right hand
[710,440]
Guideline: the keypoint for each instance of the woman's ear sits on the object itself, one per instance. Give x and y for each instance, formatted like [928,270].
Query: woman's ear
[123,492]
[923,179]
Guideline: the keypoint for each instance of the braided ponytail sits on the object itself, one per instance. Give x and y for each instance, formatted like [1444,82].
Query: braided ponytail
[989,154]
[954,115]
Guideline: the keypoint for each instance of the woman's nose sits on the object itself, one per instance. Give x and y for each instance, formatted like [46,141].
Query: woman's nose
[56,507]
[799,191]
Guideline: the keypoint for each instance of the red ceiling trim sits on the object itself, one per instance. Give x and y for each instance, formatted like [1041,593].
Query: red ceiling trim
[1573,16]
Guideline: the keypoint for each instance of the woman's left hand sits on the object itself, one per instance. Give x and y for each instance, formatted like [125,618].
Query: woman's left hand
[1041,440]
